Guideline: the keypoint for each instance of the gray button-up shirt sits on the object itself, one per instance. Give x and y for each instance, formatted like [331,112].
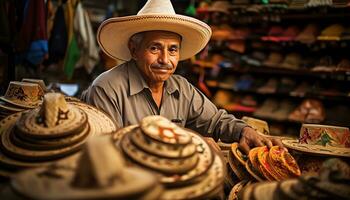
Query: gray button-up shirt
[123,93]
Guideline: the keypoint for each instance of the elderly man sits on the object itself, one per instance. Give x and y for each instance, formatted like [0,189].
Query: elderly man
[152,43]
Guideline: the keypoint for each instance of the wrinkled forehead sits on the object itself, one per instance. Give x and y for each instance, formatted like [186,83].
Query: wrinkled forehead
[160,33]
[147,36]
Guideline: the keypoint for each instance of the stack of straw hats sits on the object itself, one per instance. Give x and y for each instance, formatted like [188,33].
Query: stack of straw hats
[99,173]
[333,182]
[187,166]
[52,131]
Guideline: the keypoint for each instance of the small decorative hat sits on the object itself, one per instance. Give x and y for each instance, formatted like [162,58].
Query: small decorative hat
[282,164]
[23,94]
[321,140]
[271,164]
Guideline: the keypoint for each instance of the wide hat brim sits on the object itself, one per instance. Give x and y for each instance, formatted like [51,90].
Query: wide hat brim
[23,105]
[33,184]
[316,149]
[113,34]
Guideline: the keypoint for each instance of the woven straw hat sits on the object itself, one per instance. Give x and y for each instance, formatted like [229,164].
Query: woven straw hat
[99,173]
[321,140]
[185,175]
[55,130]
[23,94]
[113,34]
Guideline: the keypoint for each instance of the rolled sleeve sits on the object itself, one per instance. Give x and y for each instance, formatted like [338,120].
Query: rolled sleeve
[205,118]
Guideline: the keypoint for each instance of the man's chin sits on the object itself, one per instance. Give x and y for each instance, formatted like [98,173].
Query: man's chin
[161,78]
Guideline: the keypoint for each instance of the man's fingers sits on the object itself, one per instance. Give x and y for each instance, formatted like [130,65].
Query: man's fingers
[244,147]
[268,142]
[278,142]
[258,142]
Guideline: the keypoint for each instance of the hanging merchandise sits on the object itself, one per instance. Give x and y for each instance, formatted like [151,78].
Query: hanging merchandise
[33,47]
[85,37]
[191,9]
[59,37]
[73,52]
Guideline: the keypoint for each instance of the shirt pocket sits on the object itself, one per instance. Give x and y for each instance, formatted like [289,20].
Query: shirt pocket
[178,121]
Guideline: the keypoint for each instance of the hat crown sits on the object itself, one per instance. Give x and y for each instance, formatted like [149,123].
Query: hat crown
[53,110]
[160,128]
[157,7]
[40,82]
[99,167]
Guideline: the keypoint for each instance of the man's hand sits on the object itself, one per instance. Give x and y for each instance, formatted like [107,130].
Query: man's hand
[250,139]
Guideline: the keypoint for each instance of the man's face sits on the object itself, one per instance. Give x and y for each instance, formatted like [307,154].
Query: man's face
[157,55]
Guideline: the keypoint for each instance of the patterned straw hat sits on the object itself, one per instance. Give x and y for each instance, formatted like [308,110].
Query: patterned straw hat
[282,164]
[330,183]
[99,173]
[271,164]
[321,140]
[23,94]
[252,165]
[185,163]
[155,15]
[277,164]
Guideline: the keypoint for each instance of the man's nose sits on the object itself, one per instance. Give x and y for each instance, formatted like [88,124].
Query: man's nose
[163,57]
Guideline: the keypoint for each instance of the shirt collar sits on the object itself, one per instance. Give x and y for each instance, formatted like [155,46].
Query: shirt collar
[137,83]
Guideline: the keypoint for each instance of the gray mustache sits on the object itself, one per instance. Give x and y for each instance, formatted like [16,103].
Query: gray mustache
[162,66]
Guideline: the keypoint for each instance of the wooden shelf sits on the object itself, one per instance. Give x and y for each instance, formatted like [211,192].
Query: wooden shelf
[340,98]
[339,76]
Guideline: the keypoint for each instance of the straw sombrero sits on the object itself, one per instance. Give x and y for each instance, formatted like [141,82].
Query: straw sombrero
[166,166]
[237,188]
[99,173]
[184,174]
[113,34]
[321,140]
[55,130]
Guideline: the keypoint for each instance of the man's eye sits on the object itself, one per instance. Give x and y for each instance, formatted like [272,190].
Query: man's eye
[173,50]
[153,48]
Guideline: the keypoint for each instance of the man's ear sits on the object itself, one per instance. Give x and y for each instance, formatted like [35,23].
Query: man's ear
[132,49]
